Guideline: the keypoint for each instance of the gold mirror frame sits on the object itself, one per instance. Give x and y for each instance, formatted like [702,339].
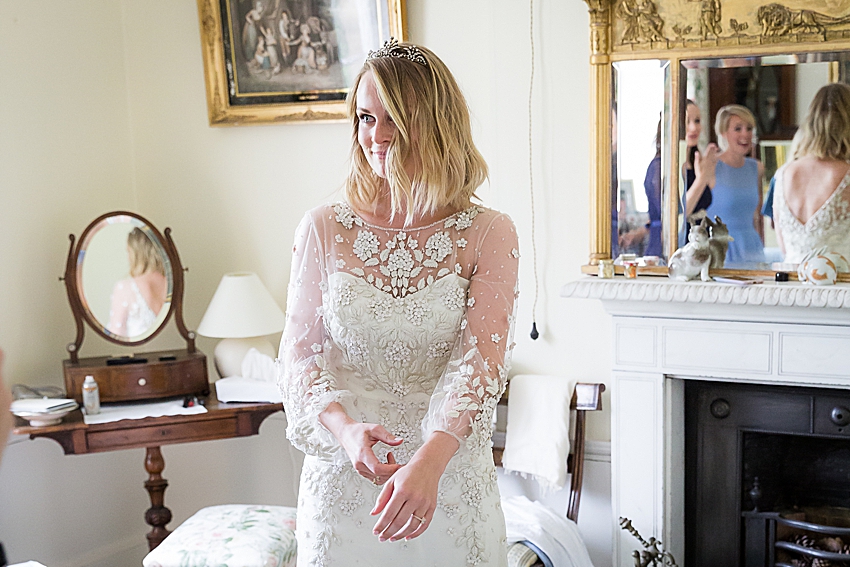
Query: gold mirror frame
[676,30]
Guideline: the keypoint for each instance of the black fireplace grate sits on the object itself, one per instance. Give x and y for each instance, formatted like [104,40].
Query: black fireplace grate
[795,543]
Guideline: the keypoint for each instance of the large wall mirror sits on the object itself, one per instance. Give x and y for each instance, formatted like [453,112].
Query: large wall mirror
[660,72]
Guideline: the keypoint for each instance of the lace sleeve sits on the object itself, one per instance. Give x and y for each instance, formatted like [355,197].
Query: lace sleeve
[305,378]
[469,389]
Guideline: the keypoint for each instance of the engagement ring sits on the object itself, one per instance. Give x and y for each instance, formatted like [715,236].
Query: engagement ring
[376,480]
[421,520]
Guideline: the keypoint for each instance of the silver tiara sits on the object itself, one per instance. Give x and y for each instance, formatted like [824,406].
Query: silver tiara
[392,48]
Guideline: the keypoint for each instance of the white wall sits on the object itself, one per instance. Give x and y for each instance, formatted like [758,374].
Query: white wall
[103,108]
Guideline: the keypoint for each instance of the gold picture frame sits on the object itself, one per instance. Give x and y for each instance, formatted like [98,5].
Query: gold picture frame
[290,77]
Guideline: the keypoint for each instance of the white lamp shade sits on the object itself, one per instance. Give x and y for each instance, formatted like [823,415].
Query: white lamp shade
[241,307]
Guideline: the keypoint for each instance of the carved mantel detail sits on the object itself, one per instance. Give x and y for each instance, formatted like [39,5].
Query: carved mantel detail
[664,290]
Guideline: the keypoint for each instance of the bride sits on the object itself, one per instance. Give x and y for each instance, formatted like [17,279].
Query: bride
[398,334]
[812,203]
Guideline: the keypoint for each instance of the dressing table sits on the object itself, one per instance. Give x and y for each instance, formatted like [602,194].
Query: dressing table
[124,280]
[221,421]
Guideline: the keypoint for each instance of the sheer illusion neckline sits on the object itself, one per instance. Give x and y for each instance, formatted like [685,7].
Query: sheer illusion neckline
[432,224]
[838,190]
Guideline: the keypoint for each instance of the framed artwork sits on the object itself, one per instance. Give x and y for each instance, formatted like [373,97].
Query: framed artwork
[269,61]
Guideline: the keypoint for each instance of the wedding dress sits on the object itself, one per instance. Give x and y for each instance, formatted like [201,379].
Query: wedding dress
[410,329]
[128,299]
[828,227]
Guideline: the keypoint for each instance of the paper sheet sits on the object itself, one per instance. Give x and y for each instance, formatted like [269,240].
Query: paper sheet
[117,412]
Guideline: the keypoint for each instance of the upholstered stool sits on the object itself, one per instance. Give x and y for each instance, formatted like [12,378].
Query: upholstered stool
[235,535]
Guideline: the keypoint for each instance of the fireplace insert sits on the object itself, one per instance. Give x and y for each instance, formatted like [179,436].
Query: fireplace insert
[767,479]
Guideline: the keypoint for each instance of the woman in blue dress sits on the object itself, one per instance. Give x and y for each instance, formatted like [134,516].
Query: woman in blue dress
[736,196]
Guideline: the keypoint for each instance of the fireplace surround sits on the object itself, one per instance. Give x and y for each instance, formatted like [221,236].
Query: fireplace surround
[668,333]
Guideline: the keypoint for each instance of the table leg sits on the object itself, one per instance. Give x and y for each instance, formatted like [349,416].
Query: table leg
[157,515]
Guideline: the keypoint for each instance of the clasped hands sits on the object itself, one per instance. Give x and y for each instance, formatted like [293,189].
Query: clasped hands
[408,498]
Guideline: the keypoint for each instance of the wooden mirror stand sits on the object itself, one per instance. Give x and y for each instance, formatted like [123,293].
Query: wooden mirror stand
[142,376]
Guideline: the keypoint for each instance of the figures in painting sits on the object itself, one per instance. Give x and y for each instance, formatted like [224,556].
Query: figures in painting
[305,62]
[250,31]
[294,36]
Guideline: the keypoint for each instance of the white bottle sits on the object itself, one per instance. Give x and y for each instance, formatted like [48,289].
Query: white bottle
[91,396]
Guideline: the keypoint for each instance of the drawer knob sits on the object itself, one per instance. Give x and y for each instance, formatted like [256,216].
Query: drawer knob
[840,416]
[142,381]
[720,408]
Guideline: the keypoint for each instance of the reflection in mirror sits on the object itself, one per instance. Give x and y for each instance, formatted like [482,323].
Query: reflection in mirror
[126,281]
[732,173]
[638,160]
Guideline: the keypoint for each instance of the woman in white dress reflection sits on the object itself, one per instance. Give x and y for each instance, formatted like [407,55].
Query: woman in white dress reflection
[398,334]
[811,201]
[137,300]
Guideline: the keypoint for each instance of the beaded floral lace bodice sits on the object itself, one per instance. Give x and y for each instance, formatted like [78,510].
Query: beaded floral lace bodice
[404,318]
[410,329]
[828,227]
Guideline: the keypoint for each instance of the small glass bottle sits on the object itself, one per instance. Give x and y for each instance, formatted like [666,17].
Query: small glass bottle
[91,396]
[606,269]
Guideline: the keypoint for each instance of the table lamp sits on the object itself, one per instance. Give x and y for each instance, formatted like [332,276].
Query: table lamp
[242,312]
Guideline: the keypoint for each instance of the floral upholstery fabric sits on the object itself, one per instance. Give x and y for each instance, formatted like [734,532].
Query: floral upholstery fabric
[230,536]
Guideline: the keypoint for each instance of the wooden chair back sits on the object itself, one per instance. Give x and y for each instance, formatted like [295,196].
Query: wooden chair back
[586,397]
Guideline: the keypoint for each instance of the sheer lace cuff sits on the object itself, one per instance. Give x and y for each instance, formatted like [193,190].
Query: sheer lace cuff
[304,430]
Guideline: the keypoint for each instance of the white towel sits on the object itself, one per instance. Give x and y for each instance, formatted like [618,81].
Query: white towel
[554,534]
[537,435]
[258,382]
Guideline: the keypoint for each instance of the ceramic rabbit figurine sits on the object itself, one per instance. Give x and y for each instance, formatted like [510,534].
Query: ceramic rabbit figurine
[718,241]
[693,259]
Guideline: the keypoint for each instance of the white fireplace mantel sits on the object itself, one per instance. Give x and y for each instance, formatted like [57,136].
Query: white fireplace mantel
[666,332]
[769,301]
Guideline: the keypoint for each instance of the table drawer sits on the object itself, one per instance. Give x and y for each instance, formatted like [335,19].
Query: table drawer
[152,435]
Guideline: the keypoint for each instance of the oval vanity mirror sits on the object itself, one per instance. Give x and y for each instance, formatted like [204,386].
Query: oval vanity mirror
[125,279]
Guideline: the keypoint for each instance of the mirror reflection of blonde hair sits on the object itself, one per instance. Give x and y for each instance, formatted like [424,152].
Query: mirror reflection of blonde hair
[144,256]
[433,136]
[724,115]
[825,132]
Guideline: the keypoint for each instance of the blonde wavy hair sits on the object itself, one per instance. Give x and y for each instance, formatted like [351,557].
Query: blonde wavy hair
[724,115]
[143,255]
[825,132]
[433,132]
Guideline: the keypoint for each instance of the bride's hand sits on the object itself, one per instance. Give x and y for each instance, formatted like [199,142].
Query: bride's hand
[408,500]
[359,440]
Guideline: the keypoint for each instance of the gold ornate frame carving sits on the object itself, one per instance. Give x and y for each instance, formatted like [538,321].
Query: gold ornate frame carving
[679,30]
[223,113]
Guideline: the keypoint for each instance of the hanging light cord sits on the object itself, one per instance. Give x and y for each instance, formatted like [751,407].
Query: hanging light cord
[534,333]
